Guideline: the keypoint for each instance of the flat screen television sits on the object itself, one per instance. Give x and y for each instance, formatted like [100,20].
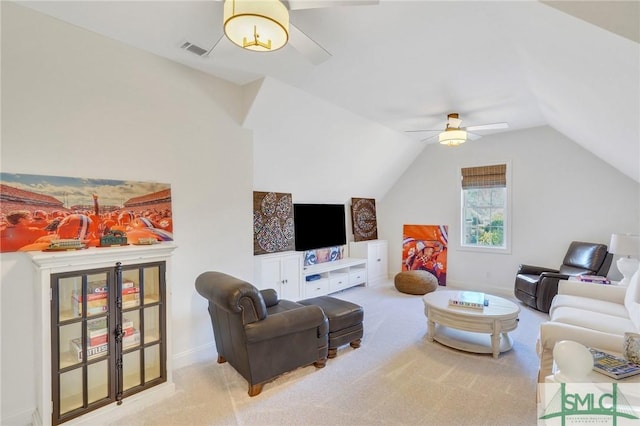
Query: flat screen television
[319,225]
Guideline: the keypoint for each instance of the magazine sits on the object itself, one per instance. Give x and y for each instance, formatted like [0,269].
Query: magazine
[469,299]
[613,366]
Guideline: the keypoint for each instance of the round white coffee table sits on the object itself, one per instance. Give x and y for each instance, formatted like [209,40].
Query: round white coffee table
[472,330]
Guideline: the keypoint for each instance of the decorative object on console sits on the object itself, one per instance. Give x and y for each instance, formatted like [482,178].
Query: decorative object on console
[425,247]
[363,219]
[631,347]
[628,247]
[328,254]
[574,361]
[273,229]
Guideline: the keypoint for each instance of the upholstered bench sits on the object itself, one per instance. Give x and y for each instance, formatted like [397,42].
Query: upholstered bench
[345,321]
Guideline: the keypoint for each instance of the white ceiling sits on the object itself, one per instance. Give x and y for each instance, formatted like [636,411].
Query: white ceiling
[406,64]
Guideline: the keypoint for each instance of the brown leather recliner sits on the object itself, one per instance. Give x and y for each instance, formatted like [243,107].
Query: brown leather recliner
[536,286]
[260,336]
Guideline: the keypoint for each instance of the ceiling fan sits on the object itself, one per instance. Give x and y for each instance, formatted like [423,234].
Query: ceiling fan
[454,134]
[266,25]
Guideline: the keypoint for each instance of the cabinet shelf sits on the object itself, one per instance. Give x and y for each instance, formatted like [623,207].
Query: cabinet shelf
[334,276]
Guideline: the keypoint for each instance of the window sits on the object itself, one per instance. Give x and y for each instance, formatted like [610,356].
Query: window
[484,207]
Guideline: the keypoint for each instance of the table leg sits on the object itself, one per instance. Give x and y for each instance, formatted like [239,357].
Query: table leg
[431,327]
[495,338]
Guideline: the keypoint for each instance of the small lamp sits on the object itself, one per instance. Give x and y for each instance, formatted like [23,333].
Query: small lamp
[574,361]
[259,25]
[628,247]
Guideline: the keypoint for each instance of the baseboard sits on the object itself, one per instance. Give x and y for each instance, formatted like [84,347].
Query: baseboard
[202,353]
[21,418]
[494,290]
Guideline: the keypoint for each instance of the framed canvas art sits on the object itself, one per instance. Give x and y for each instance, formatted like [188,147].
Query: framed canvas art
[273,229]
[37,212]
[425,247]
[363,219]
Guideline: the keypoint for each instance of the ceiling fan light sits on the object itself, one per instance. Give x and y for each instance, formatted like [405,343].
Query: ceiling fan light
[258,25]
[452,137]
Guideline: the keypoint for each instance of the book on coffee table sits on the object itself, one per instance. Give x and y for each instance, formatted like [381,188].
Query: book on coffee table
[613,366]
[469,299]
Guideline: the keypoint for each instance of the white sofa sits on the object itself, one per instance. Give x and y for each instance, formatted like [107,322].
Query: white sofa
[594,315]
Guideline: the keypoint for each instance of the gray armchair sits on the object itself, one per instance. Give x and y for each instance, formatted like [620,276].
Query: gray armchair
[260,336]
[536,286]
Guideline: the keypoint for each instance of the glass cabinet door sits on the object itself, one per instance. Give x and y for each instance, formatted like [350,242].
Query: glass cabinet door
[143,345]
[81,343]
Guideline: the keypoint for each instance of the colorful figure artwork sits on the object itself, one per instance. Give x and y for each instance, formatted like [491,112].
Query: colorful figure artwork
[37,212]
[363,218]
[328,254]
[273,229]
[425,247]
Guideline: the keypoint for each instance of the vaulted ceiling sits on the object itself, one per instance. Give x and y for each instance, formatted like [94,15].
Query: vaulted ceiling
[574,66]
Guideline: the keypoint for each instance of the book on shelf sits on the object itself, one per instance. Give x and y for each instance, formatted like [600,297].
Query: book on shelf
[128,284]
[130,290]
[469,299]
[131,340]
[92,351]
[613,366]
[593,279]
[96,301]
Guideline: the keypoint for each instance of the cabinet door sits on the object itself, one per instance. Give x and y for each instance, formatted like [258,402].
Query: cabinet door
[290,288]
[270,274]
[381,260]
[82,318]
[141,336]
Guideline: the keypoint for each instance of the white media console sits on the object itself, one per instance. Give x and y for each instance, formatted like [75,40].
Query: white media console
[329,277]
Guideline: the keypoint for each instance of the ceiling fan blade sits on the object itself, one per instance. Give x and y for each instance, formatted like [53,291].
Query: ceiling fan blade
[492,126]
[304,44]
[473,136]
[429,139]
[315,4]
[423,130]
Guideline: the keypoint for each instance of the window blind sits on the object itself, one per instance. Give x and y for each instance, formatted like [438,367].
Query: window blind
[494,176]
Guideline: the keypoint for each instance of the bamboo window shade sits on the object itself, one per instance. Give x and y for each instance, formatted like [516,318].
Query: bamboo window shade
[494,176]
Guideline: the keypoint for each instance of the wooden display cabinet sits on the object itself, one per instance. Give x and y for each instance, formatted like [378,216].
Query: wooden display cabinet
[105,333]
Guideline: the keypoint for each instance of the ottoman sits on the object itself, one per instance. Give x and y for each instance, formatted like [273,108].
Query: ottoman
[415,282]
[345,321]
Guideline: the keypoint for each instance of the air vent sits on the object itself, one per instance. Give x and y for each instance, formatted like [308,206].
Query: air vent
[194,49]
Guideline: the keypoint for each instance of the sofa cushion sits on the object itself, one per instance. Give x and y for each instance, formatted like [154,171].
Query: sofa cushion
[592,320]
[632,300]
[588,304]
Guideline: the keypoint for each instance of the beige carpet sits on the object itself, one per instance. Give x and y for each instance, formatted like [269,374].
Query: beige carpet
[397,377]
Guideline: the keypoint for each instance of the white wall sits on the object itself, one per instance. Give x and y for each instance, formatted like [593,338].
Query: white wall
[560,192]
[77,104]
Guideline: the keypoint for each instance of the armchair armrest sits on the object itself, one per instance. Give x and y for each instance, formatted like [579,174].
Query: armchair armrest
[534,270]
[608,292]
[287,322]
[547,289]
[553,332]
